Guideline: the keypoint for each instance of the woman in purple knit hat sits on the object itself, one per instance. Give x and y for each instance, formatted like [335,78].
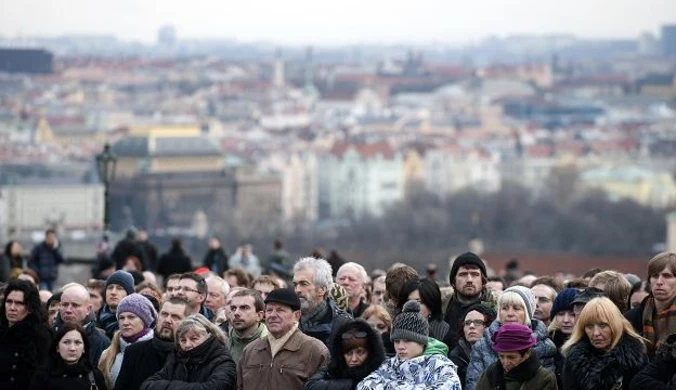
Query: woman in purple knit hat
[517,366]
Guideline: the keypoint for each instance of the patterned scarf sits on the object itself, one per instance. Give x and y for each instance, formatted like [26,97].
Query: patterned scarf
[658,324]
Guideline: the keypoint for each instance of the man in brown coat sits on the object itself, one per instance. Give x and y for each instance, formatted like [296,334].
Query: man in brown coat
[287,357]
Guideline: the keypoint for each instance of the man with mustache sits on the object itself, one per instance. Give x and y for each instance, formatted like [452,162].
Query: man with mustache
[468,278]
[143,359]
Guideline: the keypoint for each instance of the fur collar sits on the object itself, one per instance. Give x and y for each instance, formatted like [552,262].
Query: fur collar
[667,350]
[597,370]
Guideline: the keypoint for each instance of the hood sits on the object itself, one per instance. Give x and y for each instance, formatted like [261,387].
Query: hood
[435,347]
[337,367]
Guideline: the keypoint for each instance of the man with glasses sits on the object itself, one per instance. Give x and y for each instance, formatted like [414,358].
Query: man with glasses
[544,299]
[217,290]
[193,288]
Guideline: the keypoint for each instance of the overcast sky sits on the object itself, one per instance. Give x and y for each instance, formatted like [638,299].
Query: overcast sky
[335,22]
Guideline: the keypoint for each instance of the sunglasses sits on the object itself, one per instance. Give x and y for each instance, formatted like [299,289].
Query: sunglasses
[356,335]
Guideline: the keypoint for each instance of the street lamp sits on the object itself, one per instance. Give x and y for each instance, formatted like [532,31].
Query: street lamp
[106,163]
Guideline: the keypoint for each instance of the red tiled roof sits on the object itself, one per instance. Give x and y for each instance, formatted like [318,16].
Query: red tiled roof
[365,150]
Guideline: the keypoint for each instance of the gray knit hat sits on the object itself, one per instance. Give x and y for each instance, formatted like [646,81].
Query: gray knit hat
[528,298]
[410,325]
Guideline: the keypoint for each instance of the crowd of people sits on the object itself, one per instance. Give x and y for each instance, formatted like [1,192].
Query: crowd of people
[318,324]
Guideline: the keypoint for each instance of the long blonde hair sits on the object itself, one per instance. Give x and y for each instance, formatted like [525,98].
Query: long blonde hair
[106,362]
[601,310]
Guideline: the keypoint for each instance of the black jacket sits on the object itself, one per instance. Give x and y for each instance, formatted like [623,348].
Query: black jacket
[45,261]
[173,262]
[336,375]
[56,375]
[588,369]
[150,254]
[23,348]
[141,360]
[460,357]
[635,316]
[126,248]
[660,374]
[559,338]
[454,312]
[107,320]
[216,260]
[207,367]
[323,328]
[529,375]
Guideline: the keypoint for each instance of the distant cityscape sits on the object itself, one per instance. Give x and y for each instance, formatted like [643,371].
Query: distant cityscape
[220,136]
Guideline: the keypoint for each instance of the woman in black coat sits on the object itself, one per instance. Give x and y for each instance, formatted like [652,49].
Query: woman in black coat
[604,352]
[200,360]
[24,337]
[356,351]
[68,366]
[660,374]
[476,319]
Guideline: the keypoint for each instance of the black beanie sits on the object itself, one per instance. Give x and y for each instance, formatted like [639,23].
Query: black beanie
[467,258]
[122,278]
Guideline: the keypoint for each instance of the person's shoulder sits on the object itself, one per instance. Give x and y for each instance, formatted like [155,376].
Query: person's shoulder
[139,347]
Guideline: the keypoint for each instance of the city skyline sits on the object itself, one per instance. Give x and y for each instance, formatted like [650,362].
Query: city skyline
[349,22]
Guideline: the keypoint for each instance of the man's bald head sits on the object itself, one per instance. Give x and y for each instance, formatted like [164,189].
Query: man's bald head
[76,306]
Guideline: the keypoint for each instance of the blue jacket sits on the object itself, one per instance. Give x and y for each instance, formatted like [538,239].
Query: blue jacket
[45,261]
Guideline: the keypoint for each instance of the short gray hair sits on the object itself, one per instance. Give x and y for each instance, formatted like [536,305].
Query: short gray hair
[199,324]
[224,286]
[322,273]
[360,270]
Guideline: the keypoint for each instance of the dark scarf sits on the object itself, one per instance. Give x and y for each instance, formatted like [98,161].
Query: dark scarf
[559,338]
[521,373]
[187,360]
[315,316]
[134,338]
[604,370]
[658,323]
[162,345]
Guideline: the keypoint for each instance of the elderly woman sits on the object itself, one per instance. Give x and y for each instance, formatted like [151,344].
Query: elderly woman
[24,338]
[471,327]
[136,317]
[604,352]
[68,365]
[356,351]
[200,357]
[515,306]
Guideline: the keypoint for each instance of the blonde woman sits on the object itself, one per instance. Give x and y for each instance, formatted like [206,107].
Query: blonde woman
[379,319]
[200,357]
[604,352]
[136,318]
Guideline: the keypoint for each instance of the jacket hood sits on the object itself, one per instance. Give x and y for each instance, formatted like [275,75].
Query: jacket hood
[337,367]
[435,347]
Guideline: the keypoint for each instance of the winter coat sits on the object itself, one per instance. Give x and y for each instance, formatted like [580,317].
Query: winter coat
[150,254]
[23,348]
[97,339]
[119,358]
[660,374]
[336,375]
[529,375]
[322,328]
[174,262]
[141,360]
[5,268]
[127,248]
[483,355]
[236,344]
[439,329]
[216,260]
[107,320]
[425,372]
[455,311]
[207,367]
[460,356]
[57,375]
[45,261]
[558,338]
[299,358]
[586,368]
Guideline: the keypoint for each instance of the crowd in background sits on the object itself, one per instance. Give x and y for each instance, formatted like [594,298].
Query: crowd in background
[149,321]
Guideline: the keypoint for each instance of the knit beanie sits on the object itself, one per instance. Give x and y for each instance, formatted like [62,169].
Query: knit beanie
[484,308]
[141,307]
[528,298]
[563,301]
[512,338]
[122,278]
[467,258]
[410,325]
[339,296]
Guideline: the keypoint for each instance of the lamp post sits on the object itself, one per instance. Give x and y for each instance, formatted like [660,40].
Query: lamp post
[106,163]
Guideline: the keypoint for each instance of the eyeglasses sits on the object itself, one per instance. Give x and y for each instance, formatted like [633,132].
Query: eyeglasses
[475,323]
[356,335]
[186,289]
